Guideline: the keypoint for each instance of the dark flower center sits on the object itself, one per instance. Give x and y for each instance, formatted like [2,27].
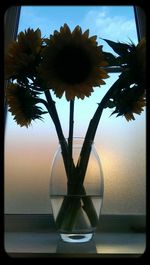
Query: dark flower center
[72,64]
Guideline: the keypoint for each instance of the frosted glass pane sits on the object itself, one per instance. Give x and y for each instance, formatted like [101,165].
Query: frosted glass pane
[120,144]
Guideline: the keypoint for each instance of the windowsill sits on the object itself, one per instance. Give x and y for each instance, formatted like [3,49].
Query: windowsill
[35,235]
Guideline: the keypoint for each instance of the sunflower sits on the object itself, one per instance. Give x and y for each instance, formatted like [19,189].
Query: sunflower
[22,55]
[137,62]
[72,63]
[137,108]
[130,101]
[21,102]
[141,58]
[131,57]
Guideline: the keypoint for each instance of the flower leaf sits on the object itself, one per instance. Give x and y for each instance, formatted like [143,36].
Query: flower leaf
[119,48]
[110,58]
[110,104]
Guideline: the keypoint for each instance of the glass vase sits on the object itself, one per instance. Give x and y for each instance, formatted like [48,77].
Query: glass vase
[76,206]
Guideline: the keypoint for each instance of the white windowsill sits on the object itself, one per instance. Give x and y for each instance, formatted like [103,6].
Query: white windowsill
[24,240]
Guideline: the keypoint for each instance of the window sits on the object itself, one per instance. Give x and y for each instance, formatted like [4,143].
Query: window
[120,144]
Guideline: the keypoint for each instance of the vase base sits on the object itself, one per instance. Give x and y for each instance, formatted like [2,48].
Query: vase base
[76,238]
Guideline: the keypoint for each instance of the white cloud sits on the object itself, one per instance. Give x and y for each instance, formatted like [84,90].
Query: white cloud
[105,25]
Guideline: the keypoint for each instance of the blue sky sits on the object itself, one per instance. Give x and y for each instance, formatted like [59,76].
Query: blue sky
[112,22]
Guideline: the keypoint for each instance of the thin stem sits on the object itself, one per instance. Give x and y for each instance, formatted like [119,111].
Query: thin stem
[86,148]
[78,172]
[71,121]
[67,203]
[50,105]
[70,140]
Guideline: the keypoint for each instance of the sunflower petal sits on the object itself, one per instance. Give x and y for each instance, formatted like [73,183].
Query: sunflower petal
[86,33]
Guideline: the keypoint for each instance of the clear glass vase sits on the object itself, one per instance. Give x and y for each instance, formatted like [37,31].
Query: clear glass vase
[76,206]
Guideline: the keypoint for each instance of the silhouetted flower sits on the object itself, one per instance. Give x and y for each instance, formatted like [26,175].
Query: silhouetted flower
[72,63]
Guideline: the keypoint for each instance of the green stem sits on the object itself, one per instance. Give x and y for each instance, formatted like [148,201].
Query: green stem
[70,142]
[71,205]
[54,115]
[89,138]
[68,212]
[86,150]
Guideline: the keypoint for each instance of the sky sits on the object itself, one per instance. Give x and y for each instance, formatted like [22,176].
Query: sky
[115,23]
[33,148]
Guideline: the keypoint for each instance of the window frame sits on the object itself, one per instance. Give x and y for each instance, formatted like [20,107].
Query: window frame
[11,23]
[12,17]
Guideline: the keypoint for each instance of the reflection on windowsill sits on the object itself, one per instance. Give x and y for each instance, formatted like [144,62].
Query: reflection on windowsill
[88,247]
